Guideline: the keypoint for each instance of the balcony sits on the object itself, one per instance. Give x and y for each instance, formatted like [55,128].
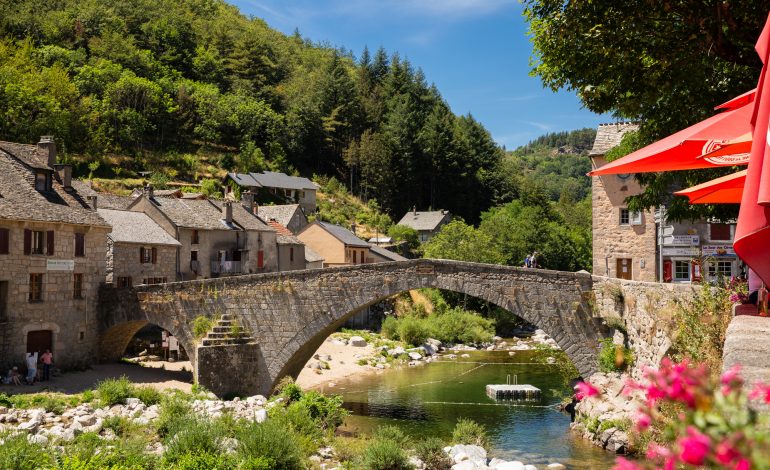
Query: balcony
[225,267]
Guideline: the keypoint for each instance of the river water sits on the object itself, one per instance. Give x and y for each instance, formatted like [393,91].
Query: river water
[428,400]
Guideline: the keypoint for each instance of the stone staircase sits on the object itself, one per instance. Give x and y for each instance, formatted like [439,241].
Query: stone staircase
[223,334]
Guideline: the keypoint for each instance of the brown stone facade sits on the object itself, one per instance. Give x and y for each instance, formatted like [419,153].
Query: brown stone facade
[63,312]
[124,260]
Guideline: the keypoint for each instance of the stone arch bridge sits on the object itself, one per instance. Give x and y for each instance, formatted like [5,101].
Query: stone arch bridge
[288,315]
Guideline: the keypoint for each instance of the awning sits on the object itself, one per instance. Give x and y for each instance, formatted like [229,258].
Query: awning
[725,190]
[739,101]
[680,151]
[737,146]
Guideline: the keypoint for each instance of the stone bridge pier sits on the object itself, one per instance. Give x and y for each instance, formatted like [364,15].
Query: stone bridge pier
[288,315]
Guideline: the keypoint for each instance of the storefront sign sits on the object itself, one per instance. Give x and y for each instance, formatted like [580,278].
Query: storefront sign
[718,250]
[60,265]
[684,251]
[685,240]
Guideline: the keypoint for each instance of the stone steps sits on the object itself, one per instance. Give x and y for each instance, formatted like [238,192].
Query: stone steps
[222,333]
[225,335]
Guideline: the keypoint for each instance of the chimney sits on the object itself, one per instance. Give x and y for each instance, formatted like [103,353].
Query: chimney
[249,203]
[227,211]
[92,202]
[414,210]
[48,147]
[148,192]
[64,175]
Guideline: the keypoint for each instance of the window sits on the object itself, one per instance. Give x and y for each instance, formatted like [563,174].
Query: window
[363,257]
[42,181]
[155,280]
[291,253]
[148,255]
[635,217]
[193,255]
[625,217]
[77,289]
[35,287]
[194,238]
[80,244]
[681,270]
[4,241]
[354,256]
[722,268]
[38,242]
[720,232]
[124,281]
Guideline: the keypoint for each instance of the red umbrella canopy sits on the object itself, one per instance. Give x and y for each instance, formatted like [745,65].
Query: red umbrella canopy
[680,151]
[725,190]
[739,101]
[752,234]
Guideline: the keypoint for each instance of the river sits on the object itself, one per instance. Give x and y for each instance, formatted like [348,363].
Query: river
[428,400]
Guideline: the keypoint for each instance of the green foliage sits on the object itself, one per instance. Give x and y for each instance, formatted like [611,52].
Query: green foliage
[385,454]
[614,358]
[412,330]
[210,188]
[459,241]
[392,433]
[403,233]
[115,391]
[204,461]
[467,431]
[19,454]
[51,402]
[191,435]
[326,411]
[271,441]
[431,451]
[448,325]
[173,408]
[202,325]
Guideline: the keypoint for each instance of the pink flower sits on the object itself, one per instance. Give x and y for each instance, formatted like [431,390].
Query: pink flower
[585,390]
[761,391]
[643,420]
[731,380]
[726,453]
[623,464]
[694,448]
[655,451]
[743,464]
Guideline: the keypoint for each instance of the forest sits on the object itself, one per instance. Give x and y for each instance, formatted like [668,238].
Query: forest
[191,88]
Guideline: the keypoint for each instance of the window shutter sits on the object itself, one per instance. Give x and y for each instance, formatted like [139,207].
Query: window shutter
[3,241]
[49,241]
[27,241]
[154,255]
[141,254]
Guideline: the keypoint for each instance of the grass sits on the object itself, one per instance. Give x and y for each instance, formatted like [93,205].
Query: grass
[202,325]
[51,402]
[613,357]
[452,325]
[467,431]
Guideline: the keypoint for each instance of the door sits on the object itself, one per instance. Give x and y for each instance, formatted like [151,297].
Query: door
[39,341]
[3,301]
[623,268]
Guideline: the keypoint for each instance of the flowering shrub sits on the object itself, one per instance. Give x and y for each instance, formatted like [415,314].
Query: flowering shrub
[714,428]
[739,291]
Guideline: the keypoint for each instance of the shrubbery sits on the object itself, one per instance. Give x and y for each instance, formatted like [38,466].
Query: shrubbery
[613,357]
[470,432]
[453,325]
[431,452]
[385,454]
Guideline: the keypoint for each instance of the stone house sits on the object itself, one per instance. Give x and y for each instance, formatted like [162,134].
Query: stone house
[313,260]
[291,251]
[378,254]
[218,238]
[53,255]
[139,251]
[274,186]
[337,245]
[290,216]
[644,246]
[427,223]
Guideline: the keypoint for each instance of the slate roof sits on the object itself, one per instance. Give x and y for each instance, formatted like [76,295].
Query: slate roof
[135,227]
[19,200]
[311,256]
[282,214]
[423,220]
[272,179]
[32,155]
[609,136]
[241,216]
[386,253]
[103,200]
[199,214]
[344,235]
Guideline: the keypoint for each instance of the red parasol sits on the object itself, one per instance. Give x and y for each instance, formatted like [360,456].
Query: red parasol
[725,190]
[752,235]
[739,101]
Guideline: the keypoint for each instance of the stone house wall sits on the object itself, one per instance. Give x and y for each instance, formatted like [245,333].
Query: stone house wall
[613,241]
[73,322]
[285,260]
[126,263]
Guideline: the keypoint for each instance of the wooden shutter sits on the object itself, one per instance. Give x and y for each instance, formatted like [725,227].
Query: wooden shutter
[27,241]
[49,241]
[260,259]
[141,254]
[154,255]
[80,244]
[3,242]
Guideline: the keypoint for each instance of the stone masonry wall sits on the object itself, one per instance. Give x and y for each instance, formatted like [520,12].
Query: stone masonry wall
[125,263]
[73,321]
[645,310]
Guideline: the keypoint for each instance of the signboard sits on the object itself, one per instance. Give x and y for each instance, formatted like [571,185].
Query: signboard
[425,269]
[685,240]
[718,250]
[60,264]
[684,251]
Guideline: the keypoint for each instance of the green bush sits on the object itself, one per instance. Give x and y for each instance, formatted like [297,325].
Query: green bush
[392,433]
[115,391]
[431,452]
[389,328]
[272,441]
[173,408]
[459,326]
[470,432]
[291,392]
[413,330]
[385,454]
[52,402]
[614,358]
[148,395]
[204,461]
[257,463]
[19,454]
[327,411]
[201,325]
[193,435]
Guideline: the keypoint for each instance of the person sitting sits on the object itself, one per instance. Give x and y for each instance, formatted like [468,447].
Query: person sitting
[14,378]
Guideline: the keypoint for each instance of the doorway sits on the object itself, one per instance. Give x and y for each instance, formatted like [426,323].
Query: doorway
[3,301]
[39,341]
[623,268]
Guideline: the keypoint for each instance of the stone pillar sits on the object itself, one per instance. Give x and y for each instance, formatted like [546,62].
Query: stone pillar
[229,370]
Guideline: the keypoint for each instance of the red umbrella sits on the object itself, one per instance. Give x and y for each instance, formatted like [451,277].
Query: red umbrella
[725,190]
[752,235]
[680,151]
[738,146]
[739,101]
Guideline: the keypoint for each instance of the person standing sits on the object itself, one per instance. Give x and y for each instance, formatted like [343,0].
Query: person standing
[31,361]
[47,360]
[533,260]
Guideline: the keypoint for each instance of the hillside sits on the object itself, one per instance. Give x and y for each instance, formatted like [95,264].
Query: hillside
[188,89]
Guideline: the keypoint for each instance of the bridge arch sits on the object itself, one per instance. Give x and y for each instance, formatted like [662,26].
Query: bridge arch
[288,315]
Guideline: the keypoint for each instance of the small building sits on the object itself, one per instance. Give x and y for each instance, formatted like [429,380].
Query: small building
[337,245]
[312,259]
[427,223]
[290,216]
[139,251]
[271,185]
[381,255]
[53,256]
[291,251]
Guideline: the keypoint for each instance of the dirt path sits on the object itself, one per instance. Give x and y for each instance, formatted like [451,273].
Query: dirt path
[342,364]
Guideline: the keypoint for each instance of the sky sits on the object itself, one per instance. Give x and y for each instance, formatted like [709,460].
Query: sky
[476,52]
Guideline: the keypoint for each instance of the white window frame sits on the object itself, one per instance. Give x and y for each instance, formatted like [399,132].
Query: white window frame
[674,277]
[635,218]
